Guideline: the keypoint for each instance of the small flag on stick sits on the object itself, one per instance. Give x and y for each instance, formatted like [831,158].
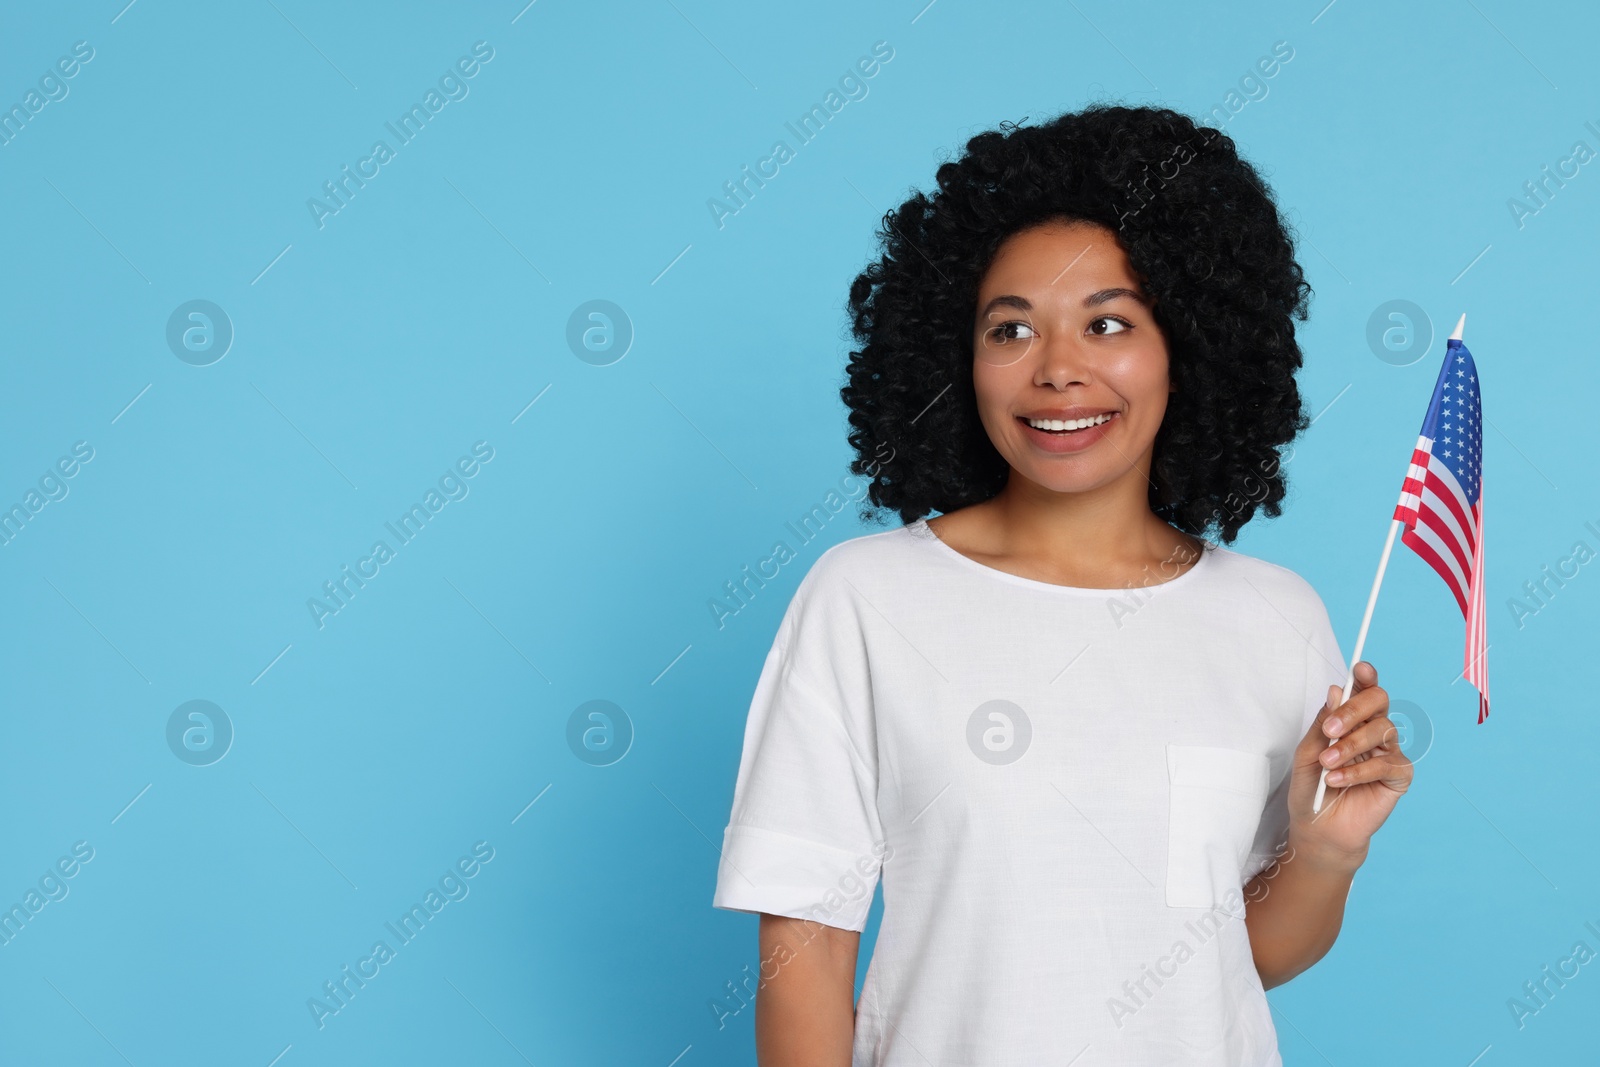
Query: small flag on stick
[1441,503]
[1441,511]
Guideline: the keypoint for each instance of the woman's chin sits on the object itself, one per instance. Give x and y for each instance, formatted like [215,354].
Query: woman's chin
[1055,476]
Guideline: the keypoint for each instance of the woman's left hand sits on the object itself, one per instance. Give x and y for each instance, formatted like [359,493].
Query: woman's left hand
[1367,771]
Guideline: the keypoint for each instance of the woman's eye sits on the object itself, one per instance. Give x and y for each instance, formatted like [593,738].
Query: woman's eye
[1122,325]
[1006,331]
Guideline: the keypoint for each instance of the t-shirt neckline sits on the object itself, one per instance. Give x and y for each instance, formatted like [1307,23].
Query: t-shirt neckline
[923,532]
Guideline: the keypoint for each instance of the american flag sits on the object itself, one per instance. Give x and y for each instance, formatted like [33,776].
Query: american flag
[1441,503]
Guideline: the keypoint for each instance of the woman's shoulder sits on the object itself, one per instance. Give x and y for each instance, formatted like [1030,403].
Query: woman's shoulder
[861,573]
[844,587]
[1256,579]
[860,556]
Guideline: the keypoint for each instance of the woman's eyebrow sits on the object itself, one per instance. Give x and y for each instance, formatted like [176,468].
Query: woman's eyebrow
[1094,299]
[1021,303]
[1097,298]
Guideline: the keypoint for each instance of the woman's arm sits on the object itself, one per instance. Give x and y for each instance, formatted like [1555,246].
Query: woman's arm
[1296,905]
[1295,908]
[805,1012]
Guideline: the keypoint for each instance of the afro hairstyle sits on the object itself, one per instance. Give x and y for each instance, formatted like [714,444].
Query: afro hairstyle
[1199,226]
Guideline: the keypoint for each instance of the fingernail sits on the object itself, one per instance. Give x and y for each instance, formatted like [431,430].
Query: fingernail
[1333,726]
[1330,757]
[1335,777]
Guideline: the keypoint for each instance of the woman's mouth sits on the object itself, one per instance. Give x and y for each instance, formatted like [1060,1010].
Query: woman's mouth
[1067,435]
[1064,426]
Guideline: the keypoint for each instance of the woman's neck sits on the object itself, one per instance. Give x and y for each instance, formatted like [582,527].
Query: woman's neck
[1102,538]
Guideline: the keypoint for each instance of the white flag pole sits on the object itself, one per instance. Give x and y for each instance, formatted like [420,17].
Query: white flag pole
[1366,621]
[1355,657]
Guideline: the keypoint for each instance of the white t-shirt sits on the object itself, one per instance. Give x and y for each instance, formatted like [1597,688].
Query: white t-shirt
[1064,791]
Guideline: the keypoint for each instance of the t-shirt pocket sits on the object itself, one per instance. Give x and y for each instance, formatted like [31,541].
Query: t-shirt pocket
[1215,804]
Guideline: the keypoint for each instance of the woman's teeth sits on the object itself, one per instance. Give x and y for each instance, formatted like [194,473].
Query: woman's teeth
[1060,425]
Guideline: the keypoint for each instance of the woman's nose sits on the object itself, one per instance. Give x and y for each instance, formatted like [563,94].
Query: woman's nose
[1063,361]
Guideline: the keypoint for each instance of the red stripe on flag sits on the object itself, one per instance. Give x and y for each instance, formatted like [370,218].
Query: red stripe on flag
[1477,629]
[1452,498]
[1435,522]
[1425,550]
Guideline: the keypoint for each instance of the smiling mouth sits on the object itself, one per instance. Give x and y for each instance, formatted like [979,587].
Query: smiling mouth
[1064,427]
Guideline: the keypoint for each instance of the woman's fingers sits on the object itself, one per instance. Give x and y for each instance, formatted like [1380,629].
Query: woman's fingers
[1366,676]
[1393,768]
[1376,731]
[1366,700]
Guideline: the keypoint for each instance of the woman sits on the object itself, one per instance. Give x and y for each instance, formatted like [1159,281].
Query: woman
[1077,743]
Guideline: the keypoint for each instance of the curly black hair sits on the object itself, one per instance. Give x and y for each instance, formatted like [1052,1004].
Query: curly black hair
[1198,224]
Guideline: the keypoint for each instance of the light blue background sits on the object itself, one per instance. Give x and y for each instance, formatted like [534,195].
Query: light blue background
[428,313]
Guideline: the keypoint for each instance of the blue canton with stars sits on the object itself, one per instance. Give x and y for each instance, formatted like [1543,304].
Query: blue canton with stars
[1455,419]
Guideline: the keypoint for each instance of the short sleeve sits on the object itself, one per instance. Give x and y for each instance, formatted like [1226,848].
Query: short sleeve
[804,838]
[1324,666]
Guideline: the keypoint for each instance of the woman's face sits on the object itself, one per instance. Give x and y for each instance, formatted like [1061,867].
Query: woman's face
[1063,332]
